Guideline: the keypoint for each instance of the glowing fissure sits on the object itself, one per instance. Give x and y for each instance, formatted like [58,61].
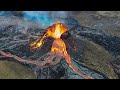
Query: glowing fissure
[58,46]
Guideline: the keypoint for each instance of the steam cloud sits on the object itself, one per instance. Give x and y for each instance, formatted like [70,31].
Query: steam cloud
[43,18]
[5,13]
[46,18]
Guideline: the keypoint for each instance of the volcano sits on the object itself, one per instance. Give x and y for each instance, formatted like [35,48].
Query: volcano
[54,52]
[57,52]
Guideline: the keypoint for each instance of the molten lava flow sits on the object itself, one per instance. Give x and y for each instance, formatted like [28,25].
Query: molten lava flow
[55,31]
[38,43]
[58,46]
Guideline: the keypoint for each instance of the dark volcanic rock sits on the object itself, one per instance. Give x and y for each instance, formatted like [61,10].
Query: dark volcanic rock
[110,43]
[96,57]
[89,57]
[63,71]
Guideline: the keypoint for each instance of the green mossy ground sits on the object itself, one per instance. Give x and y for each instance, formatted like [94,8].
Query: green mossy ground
[12,70]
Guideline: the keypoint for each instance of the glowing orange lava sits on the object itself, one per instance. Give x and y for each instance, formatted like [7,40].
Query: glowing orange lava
[55,31]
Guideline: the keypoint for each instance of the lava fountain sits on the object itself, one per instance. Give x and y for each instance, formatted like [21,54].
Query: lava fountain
[58,46]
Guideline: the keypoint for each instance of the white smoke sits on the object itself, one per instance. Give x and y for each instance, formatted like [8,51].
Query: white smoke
[59,15]
[47,18]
